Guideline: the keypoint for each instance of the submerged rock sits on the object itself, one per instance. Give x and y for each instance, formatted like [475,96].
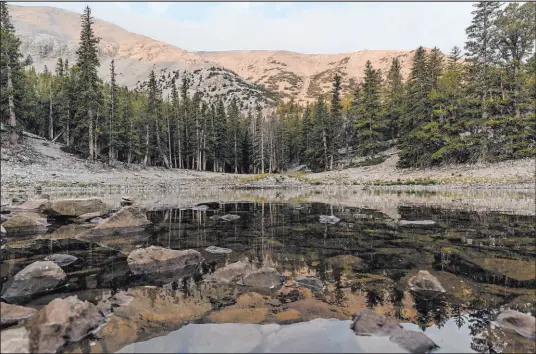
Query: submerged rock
[62,260]
[265,277]
[310,283]
[202,207]
[232,273]
[425,282]
[62,321]
[519,322]
[12,314]
[32,205]
[125,201]
[155,259]
[230,217]
[77,207]
[15,340]
[413,341]
[218,250]
[215,217]
[29,223]
[368,322]
[35,278]
[331,219]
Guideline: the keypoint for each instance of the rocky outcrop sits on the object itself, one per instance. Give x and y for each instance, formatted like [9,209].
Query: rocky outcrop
[15,340]
[425,282]
[155,259]
[62,260]
[76,207]
[35,278]
[12,314]
[232,273]
[369,323]
[263,278]
[62,321]
[24,224]
[519,322]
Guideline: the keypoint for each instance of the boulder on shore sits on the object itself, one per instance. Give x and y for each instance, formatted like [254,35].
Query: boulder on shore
[156,259]
[425,282]
[32,205]
[24,224]
[519,322]
[12,314]
[62,321]
[35,278]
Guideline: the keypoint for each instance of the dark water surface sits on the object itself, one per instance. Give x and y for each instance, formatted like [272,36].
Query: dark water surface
[484,260]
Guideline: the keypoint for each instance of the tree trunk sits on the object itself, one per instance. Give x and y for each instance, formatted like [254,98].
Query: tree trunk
[169,141]
[50,119]
[164,157]
[12,119]
[91,138]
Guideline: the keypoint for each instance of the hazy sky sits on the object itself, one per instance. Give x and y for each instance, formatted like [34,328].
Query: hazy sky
[314,27]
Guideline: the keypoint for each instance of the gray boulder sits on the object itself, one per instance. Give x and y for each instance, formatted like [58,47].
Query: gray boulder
[62,260]
[156,259]
[328,219]
[63,321]
[265,277]
[12,314]
[35,278]
[218,250]
[368,322]
[310,283]
[519,322]
[232,273]
[425,282]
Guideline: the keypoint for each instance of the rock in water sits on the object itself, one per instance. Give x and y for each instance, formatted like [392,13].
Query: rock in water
[416,222]
[218,250]
[263,278]
[517,321]
[310,283]
[35,278]
[232,273]
[201,207]
[368,322]
[125,201]
[325,219]
[89,216]
[62,321]
[155,259]
[425,282]
[32,205]
[77,207]
[128,219]
[215,217]
[15,340]
[230,217]
[12,314]
[23,225]
[413,341]
[62,260]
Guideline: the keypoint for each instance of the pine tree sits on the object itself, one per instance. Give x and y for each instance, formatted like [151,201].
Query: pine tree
[335,124]
[89,97]
[394,98]
[113,107]
[10,73]
[259,141]
[234,130]
[318,159]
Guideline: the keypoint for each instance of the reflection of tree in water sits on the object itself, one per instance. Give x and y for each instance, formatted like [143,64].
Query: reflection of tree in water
[431,308]
[457,315]
[339,294]
[374,296]
[396,298]
[484,340]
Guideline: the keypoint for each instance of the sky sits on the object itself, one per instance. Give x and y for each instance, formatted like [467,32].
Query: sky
[304,27]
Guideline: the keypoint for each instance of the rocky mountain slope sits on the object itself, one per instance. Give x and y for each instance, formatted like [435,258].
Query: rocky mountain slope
[48,33]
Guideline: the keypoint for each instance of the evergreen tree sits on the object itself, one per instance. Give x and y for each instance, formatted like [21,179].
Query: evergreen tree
[394,98]
[318,159]
[113,107]
[89,97]
[334,127]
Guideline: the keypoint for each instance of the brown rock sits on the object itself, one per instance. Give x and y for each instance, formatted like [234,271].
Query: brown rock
[368,322]
[127,220]
[12,314]
[77,207]
[23,225]
[32,205]
[231,273]
[425,282]
[263,278]
[62,321]
[155,259]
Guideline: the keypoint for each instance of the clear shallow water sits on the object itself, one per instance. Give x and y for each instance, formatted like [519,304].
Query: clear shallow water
[485,261]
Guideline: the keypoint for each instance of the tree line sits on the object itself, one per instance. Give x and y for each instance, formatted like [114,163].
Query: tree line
[479,106]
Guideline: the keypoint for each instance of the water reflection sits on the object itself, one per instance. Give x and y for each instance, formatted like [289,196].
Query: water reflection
[365,261]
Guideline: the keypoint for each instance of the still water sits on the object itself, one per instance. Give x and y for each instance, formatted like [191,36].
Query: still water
[485,260]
